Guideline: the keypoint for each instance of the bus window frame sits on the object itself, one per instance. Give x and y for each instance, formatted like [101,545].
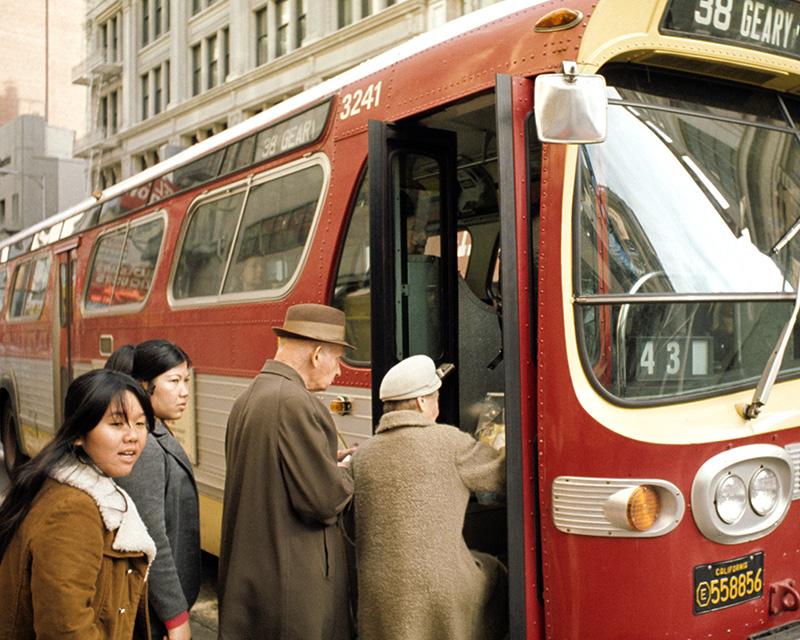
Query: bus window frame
[247,184]
[4,290]
[127,225]
[30,259]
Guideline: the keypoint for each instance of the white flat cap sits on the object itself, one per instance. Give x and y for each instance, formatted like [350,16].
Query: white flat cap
[413,377]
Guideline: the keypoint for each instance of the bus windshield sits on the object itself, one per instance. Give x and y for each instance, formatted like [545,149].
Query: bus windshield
[686,223]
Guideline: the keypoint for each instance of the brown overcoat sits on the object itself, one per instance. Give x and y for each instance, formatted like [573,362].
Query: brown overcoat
[76,567]
[417,580]
[282,568]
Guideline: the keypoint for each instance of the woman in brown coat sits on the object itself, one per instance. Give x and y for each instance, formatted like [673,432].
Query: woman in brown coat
[417,579]
[74,553]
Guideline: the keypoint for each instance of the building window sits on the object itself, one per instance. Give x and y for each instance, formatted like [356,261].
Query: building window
[366,8]
[344,13]
[302,10]
[3,216]
[281,27]
[157,91]
[114,27]
[262,54]
[145,82]
[226,54]
[199,5]
[197,69]
[167,96]
[158,13]
[468,6]
[212,61]
[113,105]
[145,22]
[102,115]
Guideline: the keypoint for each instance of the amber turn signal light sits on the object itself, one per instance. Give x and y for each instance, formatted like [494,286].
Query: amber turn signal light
[558,20]
[644,507]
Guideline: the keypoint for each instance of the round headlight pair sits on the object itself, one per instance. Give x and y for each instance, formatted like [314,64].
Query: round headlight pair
[732,495]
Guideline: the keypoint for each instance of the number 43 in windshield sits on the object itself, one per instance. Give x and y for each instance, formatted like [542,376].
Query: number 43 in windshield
[660,358]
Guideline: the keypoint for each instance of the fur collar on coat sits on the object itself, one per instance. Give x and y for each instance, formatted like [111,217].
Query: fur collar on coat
[403,418]
[117,509]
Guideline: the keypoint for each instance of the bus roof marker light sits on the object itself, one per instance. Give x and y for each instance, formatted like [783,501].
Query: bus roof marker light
[558,20]
[569,107]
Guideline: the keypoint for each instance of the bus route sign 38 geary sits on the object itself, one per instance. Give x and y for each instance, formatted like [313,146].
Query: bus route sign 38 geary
[769,25]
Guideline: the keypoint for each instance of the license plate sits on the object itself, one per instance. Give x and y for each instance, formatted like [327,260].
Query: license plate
[724,584]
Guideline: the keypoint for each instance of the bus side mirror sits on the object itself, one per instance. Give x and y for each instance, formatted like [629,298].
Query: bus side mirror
[570,108]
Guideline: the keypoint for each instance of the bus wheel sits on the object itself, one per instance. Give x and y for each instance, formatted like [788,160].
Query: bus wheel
[12,456]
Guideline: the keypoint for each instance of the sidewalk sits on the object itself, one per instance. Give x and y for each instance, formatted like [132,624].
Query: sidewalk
[203,616]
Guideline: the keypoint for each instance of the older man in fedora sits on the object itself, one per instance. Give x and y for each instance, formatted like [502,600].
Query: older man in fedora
[282,565]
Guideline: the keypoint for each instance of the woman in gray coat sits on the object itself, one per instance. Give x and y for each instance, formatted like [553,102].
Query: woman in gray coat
[162,486]
[417,579]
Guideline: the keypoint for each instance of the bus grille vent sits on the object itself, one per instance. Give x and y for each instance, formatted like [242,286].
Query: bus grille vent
[794,451]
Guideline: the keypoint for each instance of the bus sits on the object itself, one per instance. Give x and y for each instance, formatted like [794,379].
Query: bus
[590,207]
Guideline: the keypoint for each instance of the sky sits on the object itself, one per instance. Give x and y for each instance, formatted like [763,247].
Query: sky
[22,52]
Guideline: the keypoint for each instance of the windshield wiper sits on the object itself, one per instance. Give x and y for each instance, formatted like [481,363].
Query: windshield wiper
[765,384]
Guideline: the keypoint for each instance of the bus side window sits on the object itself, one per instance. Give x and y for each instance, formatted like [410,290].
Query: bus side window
[351,291]
[275,230]
[206,246]
[30,288]
[123,264]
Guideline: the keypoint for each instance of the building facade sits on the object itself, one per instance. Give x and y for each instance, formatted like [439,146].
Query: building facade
[165,74]
[38,174]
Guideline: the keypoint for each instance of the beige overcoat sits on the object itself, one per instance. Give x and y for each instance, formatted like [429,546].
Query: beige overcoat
[283,568]
[417,579]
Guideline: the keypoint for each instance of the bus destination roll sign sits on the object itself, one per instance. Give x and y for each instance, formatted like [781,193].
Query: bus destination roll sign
[769,25]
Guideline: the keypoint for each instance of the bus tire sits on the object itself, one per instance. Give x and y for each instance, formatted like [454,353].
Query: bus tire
[12,456]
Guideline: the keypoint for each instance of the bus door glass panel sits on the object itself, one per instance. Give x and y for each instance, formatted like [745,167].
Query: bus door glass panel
[417,204]
[351,292]
[274,232]
[205,248]
[30,288]
[138,264]
[695,213]
[476,227]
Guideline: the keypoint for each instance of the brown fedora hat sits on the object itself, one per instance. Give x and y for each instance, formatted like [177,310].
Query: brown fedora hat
[314,322]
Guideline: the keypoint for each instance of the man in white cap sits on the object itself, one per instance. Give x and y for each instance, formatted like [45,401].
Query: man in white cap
[416,577]
[282,566]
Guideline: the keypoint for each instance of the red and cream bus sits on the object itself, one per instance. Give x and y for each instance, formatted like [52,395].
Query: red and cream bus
[613,257]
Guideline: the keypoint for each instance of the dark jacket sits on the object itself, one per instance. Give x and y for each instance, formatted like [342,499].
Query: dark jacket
[76,567]
[163,487]
[282,569]
[417,580]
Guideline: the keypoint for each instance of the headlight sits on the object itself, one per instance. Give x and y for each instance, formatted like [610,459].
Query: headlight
[731,498]
[764,491]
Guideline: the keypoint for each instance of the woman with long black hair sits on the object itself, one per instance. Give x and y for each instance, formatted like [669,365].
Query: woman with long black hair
[163,487]
[74,553]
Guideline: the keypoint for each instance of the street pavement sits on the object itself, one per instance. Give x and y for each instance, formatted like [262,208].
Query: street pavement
[203,617]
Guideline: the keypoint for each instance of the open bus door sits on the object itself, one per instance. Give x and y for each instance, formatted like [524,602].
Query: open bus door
[429,234]
[412,251]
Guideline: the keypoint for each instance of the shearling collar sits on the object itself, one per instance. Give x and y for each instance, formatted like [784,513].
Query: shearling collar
[117,508]
[403,418]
